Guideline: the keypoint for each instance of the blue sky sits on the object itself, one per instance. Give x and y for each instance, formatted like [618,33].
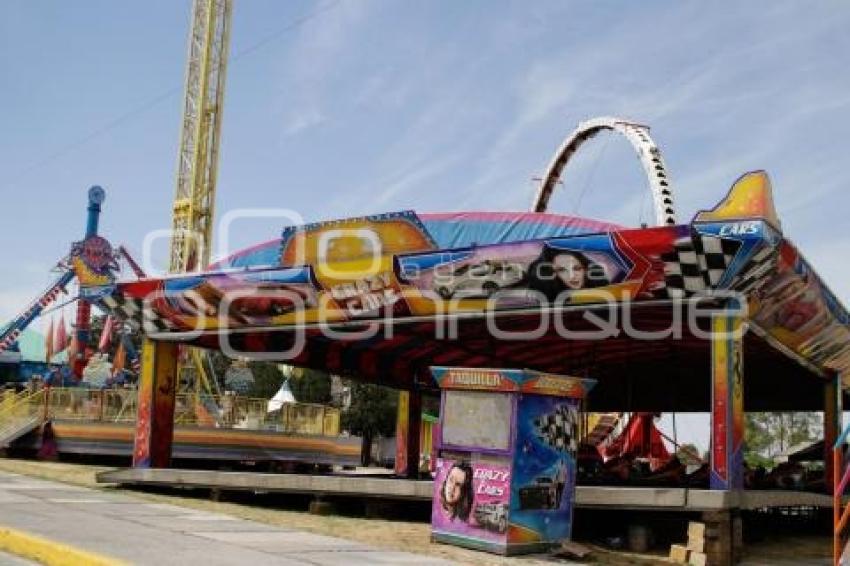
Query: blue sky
[384,105]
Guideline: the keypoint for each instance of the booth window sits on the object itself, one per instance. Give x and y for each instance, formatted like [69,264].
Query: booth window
[475,419]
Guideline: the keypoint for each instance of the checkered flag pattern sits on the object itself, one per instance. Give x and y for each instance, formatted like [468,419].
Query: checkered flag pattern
[559,429]
[136,314]
[697,264]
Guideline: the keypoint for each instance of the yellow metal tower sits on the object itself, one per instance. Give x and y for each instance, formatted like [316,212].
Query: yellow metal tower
[197,161]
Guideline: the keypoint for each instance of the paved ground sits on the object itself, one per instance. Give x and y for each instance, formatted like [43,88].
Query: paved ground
[126,528]
[9,560]
[72,513]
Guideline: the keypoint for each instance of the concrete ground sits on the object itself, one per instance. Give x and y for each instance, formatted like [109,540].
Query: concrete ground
[391,535]
[125,528]
[10,560]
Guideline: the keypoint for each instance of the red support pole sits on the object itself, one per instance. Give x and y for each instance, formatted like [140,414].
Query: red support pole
[81,335]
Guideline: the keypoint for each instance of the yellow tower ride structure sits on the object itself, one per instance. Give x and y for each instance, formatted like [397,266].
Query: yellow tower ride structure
[200,135]
[197,159]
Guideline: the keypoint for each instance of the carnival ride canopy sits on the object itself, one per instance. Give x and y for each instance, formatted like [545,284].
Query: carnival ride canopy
[384,297]
[454,230]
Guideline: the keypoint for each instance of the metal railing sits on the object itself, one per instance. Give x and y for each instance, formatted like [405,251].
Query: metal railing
[20,412]
[91,405]
[119,406]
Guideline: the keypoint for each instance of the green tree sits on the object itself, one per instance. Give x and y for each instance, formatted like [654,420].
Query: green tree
[219,364]
[689,455]
[307,385]
[770,434]
[311,386]
[267,380]
[372,412]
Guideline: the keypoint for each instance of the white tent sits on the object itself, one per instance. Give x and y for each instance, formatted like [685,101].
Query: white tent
[284,395]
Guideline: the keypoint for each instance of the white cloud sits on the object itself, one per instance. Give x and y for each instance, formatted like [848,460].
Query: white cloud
[675,82]
[310,67]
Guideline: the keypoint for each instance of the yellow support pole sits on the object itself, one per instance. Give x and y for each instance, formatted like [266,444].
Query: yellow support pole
[155,413]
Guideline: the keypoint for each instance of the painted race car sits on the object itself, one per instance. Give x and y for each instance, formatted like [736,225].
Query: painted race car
[478,279]
[542,494]
[492,516]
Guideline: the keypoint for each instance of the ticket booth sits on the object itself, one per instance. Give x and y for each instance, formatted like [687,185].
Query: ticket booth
[506,466]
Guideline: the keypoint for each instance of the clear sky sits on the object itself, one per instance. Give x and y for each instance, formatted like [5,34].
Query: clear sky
[373,106]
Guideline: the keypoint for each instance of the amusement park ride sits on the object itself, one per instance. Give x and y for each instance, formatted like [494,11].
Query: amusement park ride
[197,162]
[708,316]
[659,317]
[387,298]
[193,212]
[93,263]
[93,422]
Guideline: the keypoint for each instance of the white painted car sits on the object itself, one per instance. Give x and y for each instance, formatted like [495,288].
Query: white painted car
[477,280]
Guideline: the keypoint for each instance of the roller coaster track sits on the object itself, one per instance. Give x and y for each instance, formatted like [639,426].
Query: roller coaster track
[647,152]
[600,426]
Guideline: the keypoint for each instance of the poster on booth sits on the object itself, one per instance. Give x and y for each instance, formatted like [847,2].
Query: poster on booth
[471,500]
[544,469]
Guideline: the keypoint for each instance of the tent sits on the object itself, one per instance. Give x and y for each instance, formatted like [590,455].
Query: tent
[283,396]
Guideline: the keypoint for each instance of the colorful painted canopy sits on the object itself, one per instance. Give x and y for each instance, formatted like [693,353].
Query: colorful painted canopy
[455,230]
[385,297]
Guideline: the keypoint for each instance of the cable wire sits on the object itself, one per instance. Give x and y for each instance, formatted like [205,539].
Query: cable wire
[159,98]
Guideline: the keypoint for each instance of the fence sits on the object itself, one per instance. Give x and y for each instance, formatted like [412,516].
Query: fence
[119,406]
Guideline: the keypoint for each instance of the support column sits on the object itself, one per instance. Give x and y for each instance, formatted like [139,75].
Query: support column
[155,413]
[727,402]
[723,537]
[82,334]
[408,428]
[832,407]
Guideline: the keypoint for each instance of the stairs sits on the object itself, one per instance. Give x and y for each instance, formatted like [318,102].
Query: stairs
[840,512]
[20,414]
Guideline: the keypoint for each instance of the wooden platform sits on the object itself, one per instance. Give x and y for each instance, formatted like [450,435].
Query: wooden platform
[204,443]
[376,487]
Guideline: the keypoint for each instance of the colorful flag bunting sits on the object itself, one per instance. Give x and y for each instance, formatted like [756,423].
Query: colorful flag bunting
[48,342]
[60,339]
